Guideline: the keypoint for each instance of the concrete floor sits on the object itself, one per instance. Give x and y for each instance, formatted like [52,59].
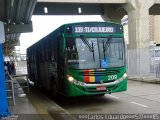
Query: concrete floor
[140,98]
[23,108]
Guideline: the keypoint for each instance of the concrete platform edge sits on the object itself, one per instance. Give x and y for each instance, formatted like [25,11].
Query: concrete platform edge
[58,113]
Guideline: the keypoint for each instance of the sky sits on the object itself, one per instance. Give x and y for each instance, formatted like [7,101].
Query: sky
[43,25]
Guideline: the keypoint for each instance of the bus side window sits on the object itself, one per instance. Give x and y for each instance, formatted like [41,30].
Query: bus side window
[49,50]
[42,52]
[52,51]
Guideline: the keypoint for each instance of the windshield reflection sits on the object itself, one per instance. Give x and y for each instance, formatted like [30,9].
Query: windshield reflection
[95,53]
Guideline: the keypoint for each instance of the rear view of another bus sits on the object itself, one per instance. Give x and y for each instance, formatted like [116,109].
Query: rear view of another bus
[95,61]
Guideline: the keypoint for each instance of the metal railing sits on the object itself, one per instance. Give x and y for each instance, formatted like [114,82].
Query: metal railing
[13,86]
[144,63]
[10,88]
[24,83]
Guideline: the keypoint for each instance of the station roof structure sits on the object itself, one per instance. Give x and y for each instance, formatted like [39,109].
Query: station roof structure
[16,16]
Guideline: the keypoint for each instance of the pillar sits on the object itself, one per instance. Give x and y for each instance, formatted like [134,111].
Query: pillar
[3,92]
[138,48]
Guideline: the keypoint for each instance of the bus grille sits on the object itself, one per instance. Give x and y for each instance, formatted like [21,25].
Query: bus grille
[99,73]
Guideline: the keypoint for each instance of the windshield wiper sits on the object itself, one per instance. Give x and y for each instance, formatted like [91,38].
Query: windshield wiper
[106,46]
[87,43]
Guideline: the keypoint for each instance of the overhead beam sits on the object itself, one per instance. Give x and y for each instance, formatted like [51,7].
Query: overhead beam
[18,28]
[85,1]
[68,9]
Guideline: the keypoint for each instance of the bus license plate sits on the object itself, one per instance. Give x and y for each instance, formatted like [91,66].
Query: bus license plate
[101,88]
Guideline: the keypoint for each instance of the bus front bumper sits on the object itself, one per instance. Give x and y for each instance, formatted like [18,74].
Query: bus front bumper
[80,89]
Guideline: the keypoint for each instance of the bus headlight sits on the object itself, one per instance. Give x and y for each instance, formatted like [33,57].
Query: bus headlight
[125,75]
[70,78]
[76,82]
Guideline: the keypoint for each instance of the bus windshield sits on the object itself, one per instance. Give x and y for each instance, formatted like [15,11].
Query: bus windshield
[91,53]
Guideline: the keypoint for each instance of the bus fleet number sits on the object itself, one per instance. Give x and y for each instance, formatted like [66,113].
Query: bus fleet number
[112,77]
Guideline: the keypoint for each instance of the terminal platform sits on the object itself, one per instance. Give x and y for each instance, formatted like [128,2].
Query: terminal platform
[20,106]
[30,103]
[27,103]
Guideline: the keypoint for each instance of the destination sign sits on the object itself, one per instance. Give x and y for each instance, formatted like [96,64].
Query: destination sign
[78,29]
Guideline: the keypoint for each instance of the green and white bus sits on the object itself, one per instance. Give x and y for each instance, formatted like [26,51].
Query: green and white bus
[77,59]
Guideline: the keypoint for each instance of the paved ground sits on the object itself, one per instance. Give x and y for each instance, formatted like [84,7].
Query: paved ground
[141,98]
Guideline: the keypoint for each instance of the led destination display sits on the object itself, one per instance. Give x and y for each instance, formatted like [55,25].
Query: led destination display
[94,29]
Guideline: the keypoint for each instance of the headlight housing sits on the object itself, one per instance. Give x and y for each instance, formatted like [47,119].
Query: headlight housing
[125,75]
[70,78]
[76,82]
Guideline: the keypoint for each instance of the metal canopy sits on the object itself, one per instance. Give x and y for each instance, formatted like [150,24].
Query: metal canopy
[16,15]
